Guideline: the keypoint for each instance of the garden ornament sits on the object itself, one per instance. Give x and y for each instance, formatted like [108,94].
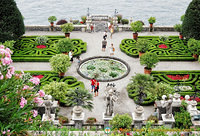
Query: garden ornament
[48,103]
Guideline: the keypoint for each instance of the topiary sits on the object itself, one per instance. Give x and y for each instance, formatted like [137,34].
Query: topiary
[51,19]
[125,21]
[60,63]
[191,22]
[137,26]
[11,21]
[66,28]
[64,45]
[149,60]
[142,45]
[152,20]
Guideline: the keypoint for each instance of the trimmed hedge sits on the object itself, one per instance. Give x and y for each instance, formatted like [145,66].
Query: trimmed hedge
[26,50]
[50,76]
[177,49]
[193,81]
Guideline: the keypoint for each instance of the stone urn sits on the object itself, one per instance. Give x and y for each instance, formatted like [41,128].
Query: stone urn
[177,96]
[139,110]
[77,110]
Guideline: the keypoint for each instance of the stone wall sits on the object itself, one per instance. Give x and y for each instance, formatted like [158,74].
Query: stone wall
[82,28]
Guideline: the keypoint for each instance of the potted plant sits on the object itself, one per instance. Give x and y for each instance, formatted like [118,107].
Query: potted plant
[136,27]
[151,21]
[83,18]
[119,18]
[41,41]
[194,47]
[91,120]
[61,22]
[125,21]
[142,46]
[60,64]
[51,19]
[64,46]
[58,90]
[178,28]
[63,119]
[66,28]
[80,98]
[149,60]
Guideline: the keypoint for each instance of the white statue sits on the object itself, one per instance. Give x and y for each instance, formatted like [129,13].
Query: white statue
[168,105]
[48,103]
[192,109]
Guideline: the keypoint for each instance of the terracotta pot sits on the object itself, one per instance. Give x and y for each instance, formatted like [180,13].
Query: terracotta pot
[151,27]
[67,35]
[51,24]
[66,53]
[195,56]
[147,70]
[61,74]
[180,36]
[141,53]
[135,36]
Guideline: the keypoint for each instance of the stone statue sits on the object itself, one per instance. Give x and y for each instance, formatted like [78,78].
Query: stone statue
[109,103]
[48,103]
[168,105]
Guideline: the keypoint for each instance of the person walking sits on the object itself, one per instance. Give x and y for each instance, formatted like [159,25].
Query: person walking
[111,27]
[92,81]
[105,35]
[71,55]
[112,49]
[104,44]
[96,90]
[79,59]
[92,27]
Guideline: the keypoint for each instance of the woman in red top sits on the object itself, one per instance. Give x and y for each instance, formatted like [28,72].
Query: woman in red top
[96,90]
[92,84]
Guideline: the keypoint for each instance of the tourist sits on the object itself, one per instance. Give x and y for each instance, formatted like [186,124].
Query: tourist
[104,44]
[112,49]
[93,81]
[79,59]
[105,35]
[71,55]
[96,90]
[111,27]
[92,27]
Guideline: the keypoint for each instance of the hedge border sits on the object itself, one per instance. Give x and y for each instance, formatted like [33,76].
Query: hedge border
[131,50]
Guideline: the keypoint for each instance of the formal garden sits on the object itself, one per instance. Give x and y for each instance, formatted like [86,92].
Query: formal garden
[57,100]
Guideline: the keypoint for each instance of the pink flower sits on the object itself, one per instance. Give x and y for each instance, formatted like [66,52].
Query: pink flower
[1,76]
[6,61]
[23,102]
[30,119]
[8,50]
[4,132]
[26,87]
[38,100]
[35,113]
[8,131]
[12,70]
[35,80]
[41,93]
[2,46]
[8,75]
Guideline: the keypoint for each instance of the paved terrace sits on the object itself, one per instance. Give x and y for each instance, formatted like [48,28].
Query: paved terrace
[126,105]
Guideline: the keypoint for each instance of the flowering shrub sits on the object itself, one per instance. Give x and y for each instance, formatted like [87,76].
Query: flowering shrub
[163,46]
[18,94]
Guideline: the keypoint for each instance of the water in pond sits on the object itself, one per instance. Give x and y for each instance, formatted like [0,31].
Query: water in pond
[167,12]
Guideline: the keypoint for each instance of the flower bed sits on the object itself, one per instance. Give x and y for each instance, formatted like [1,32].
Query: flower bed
[172,49]
[26,50]
[47,76]
[187,82]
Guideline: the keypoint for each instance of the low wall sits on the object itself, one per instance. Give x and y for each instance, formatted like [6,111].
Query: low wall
[82,28]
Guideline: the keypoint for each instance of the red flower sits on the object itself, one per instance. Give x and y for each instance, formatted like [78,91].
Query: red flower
[182,98]
[38,76]
[163,46]
[179,77]
[41,46]
[81,22]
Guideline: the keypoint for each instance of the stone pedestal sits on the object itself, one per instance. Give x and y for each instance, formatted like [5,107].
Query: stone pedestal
[168,122]
[46,118]
[78,120]
[138,121]
[106,120]
[83,29]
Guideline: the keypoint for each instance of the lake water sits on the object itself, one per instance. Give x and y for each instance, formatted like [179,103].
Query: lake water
[167,12]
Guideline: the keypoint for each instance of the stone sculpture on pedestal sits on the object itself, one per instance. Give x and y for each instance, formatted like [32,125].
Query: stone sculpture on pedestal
[48,103]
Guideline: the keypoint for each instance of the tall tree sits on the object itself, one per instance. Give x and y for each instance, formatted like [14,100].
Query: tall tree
[191,22]
[11,21]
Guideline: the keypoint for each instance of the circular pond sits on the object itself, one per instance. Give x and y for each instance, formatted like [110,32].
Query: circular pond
[103,68]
